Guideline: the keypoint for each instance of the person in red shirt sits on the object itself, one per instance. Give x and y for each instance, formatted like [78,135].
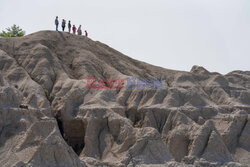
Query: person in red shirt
[74,29]
[86,33]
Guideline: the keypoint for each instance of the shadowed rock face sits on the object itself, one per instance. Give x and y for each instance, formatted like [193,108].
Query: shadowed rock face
[48,117]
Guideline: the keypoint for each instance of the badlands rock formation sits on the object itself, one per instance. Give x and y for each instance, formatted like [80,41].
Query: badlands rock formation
[49,118]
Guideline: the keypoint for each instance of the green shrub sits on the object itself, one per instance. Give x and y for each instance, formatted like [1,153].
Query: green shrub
[14,31]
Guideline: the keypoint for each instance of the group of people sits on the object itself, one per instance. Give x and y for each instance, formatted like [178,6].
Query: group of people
[79,30]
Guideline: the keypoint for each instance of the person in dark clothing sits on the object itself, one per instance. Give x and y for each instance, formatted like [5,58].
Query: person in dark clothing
[79,31]
[56,23]
[69,26]
[74,29]
[63,24]
[86,33]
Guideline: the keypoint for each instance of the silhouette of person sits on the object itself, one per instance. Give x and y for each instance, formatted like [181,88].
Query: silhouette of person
[63,24]
[79,31]
[56,23]
[86,33]
[74,29]
[69,26]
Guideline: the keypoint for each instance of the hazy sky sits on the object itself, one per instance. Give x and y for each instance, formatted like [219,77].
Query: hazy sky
[174,34]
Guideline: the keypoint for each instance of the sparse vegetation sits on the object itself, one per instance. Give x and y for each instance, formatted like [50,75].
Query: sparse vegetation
[46,91]
[14,31]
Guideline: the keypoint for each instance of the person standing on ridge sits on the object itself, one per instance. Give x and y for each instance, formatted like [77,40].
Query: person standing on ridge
[69,26]
[86,33]
[56,23]
[79,31]
[63,24]
[74,29]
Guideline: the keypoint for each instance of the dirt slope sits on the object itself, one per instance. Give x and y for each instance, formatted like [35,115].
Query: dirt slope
[49,117]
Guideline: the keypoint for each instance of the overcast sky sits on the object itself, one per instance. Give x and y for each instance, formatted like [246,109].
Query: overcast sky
[174,34]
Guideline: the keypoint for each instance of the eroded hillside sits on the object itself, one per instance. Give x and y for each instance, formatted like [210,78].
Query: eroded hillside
[48,116]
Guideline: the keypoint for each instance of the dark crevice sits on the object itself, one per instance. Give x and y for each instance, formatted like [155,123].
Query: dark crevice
[243,127]
[159,122]
[73,135]
[77,146]
[203,150]
[163,122]
[100,141]
[60,125]
[136,117]
[1,131]
[105,128]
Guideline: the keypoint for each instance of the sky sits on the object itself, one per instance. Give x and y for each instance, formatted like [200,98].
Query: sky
[174,34]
